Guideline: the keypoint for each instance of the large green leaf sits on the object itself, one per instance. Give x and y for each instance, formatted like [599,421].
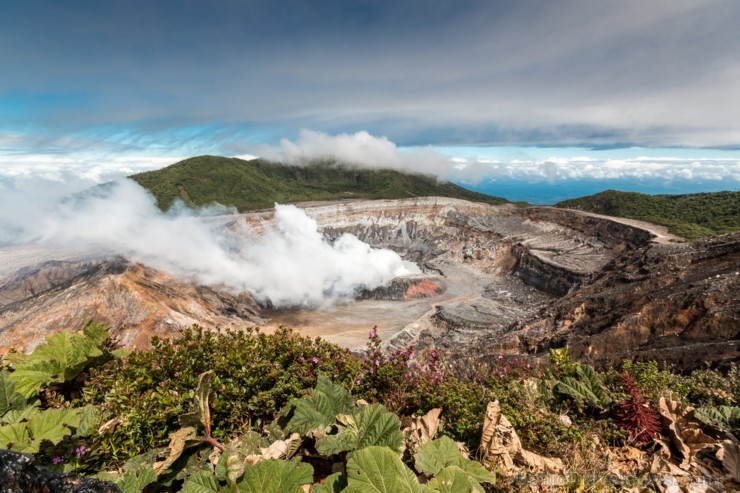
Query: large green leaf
[726,418]
[379,469]
[52,425]
[332,484]
[15,437]
[134,480]
[89,418]
[442,453]
[16,416]
[276,476]
[372,425]
[233,459]
[319,409]
[9,398]
[60,359]
[585,388]
[452,479]
[202,482]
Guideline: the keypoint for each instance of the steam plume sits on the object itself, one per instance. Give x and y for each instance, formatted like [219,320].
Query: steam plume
[289,264]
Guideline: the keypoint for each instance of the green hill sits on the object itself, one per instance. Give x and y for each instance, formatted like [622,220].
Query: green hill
[691,216]
[258,184]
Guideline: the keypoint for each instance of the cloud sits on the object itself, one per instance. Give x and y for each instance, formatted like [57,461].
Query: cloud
[367,151]
[371,152]
[485,72]
[289,264]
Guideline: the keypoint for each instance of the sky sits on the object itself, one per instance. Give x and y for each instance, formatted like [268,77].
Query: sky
[530,99]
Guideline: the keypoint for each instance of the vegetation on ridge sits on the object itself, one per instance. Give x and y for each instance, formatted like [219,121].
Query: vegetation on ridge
[246,411]
[258,184]
[691,216]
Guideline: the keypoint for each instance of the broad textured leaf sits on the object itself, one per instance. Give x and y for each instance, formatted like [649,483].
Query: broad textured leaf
[89,418]
[16,416]
[136,479]
[319,409]
[9,398]
[61,358]
[276,476]
[15,437]
[95,334]
[202,482]
[439,454]
[379,469]
[598,389]
[52,425]
[178,442]
[372,425]
[726,418]
[452,479]
[234,458]
[332,484]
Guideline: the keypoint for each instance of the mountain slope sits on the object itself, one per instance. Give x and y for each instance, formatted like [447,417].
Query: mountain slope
[258,184]
[691,216]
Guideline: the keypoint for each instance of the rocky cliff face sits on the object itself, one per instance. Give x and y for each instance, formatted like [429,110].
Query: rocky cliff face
[674,303]
[136,301]
[495,279]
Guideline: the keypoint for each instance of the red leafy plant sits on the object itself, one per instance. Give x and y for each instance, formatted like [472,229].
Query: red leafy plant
[636,415]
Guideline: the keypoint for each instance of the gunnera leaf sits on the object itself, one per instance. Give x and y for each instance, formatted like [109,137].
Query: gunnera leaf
[60,359]
[379,469]
[373,425]
[201,482]
[726,418]
[276,476]
[319,409]
[9,398]
[332,484]
[136,479]
[442,453]
[453,479]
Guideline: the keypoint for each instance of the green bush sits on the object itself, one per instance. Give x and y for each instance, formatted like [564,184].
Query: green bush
[256,375]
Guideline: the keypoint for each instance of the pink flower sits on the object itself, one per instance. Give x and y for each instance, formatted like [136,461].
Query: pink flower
[372,333]
[377,362]
[57,460]
[80,451]
[315,360]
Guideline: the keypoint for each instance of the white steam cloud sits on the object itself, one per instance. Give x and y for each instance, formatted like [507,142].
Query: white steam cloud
[289,264]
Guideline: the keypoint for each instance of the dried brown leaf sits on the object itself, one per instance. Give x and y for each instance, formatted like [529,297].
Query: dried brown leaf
[421,429]
[683,430]
[500,446]
[282,449]
[729,455]
[178,443]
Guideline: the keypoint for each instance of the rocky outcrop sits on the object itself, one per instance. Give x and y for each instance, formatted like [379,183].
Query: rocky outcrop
[673,303]
[19,474]
[136,301]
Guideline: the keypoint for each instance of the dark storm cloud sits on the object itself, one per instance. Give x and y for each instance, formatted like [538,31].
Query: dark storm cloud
[664,72]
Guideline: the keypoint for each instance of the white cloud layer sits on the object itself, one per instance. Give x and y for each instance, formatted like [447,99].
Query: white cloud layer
[290,264]
[367,151]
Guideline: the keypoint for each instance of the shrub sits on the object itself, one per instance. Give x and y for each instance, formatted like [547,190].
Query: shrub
[256,374]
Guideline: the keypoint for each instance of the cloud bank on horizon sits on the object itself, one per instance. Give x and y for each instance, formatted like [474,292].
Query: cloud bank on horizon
[146,75]
[367,151]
